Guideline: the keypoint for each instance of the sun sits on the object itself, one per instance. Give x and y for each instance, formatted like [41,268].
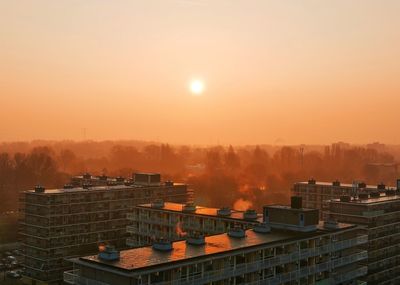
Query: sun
[197,87]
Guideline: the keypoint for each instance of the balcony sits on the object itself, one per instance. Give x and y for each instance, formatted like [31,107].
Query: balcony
[342,277]
[73,277]
[362,255]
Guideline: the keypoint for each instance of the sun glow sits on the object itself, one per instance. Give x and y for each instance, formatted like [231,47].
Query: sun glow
[196,87]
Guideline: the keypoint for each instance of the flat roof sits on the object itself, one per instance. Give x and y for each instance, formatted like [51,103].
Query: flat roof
[345,185]
[200,210]
[369,201]
[100,188]
[147,257]
[290,208]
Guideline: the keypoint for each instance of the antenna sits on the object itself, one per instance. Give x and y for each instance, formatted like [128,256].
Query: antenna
[355,189]
[302,157]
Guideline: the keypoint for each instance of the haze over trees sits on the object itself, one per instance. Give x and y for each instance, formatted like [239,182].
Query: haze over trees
[243,177]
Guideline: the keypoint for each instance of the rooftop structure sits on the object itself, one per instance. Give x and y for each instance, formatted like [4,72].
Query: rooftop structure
[175,220]
[293,217]
[323,256]
[380,214]
[67,222]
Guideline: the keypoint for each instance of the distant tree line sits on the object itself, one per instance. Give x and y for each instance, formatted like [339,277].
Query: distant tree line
[221,175]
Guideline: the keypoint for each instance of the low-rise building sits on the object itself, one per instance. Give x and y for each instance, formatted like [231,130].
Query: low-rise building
[174,220]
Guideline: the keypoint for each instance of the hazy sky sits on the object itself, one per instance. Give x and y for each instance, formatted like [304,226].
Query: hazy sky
[274,71]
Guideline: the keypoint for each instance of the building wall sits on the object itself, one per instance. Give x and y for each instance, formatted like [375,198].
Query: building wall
[383,229]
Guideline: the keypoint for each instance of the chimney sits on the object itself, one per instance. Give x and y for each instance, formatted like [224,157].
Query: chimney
[374,194]
[381,186]
[196,239]
[250,215]
[158,203]
[109,253]
[224,212]
[345,198]
[363,196]
[39,189]
[237,232]
[189,207]
[312,181]
[296,202]
[162,245]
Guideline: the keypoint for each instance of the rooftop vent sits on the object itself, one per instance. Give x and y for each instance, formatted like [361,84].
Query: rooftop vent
[162,245]
[109,253]
[103,177]
[224,211]
[336,183]
[68,186]
[39,189]
[345,198]
[381,186]
[87,185]
[128,183]
[169,183]
[237,232]
[312,181]
[262,228]
[390,192]
[189,207]
[363,196]
[374,194]
[87,175]
[331,224]
[157,203]
[196,239]
[120,179]
[250,214]
[362,185]
[296,202]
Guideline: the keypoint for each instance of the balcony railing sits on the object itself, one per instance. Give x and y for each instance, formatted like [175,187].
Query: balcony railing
[351,275]
[73,277]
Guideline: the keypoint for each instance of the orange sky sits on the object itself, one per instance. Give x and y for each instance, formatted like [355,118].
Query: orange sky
[275,71]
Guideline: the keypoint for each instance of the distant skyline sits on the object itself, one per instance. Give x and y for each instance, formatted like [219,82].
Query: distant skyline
[274,72]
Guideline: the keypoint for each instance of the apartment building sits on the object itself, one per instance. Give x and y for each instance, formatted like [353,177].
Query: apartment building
[174,220]
[315,193]
[60,223]
[320,254]
[380,213]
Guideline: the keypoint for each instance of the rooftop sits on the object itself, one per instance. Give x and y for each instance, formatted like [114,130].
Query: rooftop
[98,188]
[290,208]
[146,257]
[371,200]
[205,211]
[344,185]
